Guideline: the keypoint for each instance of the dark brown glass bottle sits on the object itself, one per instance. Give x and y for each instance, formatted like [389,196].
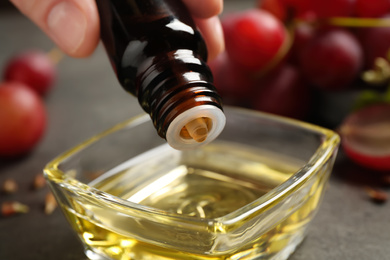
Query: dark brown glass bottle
[159,56]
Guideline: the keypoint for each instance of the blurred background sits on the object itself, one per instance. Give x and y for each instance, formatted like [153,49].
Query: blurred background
[87,99]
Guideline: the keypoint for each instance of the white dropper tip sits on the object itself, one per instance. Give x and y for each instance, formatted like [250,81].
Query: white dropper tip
[195,127]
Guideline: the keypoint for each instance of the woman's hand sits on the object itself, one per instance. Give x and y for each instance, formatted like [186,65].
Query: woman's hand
[74,25]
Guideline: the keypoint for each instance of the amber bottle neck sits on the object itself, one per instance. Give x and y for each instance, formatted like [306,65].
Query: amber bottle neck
[173,82]
[159,56]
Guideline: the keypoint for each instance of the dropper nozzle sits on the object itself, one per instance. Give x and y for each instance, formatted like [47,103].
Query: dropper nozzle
[197,129]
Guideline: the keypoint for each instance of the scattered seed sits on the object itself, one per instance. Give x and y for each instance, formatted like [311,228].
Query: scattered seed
[378,196]
[9,186]
[10,208]
[39,182]
[50,203]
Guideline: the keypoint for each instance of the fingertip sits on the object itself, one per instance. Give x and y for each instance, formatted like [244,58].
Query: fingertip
[74,29]
[212,32]
[204,8]
[73,25]
[92,33]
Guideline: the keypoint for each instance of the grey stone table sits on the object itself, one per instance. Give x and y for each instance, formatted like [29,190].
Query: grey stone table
[87,100]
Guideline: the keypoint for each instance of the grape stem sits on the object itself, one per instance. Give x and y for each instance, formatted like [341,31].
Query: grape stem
[282,52]
[380,74]
[359,22]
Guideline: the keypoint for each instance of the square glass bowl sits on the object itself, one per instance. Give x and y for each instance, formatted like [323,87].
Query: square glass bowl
[250,194]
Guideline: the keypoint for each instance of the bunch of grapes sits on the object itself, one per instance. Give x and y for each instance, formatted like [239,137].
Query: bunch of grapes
[281,52]
[27,78]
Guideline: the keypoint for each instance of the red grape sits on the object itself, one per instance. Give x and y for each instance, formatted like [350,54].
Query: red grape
[33,68]
[370,8]
[365,136]
[253,38]
[22,119]
[234,85]
[303,32]
[275,7]
[332,59]
[283,93]
[375,43]
[300,7]
[332,8]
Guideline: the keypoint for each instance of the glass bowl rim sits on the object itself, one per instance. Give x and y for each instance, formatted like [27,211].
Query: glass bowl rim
[328,146]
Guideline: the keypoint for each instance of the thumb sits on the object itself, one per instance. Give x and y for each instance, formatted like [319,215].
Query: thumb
[72,24]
